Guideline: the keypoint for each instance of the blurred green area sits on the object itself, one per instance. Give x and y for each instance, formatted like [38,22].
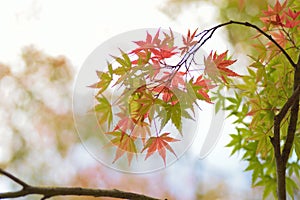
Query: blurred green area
[39,142]
[238,10]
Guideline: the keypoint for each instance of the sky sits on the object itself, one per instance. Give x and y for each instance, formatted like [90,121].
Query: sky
[75,28]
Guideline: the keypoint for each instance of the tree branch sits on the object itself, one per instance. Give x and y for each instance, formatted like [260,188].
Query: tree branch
[211,31]
[48,192]
[275,140]
[13,178]
[294,116]
[288,104]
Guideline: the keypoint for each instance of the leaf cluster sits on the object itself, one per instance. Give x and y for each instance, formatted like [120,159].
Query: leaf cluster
[154,94]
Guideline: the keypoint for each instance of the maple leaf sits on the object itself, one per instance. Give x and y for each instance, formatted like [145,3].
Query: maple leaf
[168,39]
[125,123]
[279,37]
[140,104]
[167,94]
[274,15]
[174,113]
[216,66]
[125,144]
[159,144]
[291,19]
[188,41]
[161,49]
[104,109]
[176,78]
[141,131]
[294,15]
[202,87]
[278,8]
[149,43]
[104,81]
[163,52]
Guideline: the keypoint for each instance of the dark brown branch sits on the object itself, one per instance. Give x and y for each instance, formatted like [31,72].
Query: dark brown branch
[275,140]
[294,117]
[282,158]
[288,104]
[211,31]
[48,192]
[13,178]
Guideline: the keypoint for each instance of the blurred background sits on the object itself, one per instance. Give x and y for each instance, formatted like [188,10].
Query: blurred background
[43,45]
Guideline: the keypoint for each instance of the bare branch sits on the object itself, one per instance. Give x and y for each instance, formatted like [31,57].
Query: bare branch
[49,192]
[15,179]
[207,34]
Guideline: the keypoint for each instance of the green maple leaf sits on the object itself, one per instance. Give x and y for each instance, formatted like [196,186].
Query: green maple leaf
[104,111]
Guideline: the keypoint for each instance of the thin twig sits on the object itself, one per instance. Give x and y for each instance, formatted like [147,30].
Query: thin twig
[211,31]
[15,179]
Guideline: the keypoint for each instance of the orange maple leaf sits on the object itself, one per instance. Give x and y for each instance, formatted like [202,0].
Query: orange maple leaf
[167,94]
[125,144]
[141,131]
[216,66]
[159,144]
[279,37]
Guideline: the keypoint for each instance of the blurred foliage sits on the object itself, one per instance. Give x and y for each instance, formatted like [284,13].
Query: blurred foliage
[39,142]
[238,10]
[40,145]
[35,109]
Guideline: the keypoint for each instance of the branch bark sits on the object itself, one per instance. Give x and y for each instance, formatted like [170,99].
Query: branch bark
[282,157]
[48,192]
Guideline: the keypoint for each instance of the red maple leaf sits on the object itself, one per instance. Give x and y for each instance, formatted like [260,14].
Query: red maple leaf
[165,91]
[278,8]
[291,19]
[161,49]
[274,15]
[163,52]
[204,86]
[167,94]
[148,43]
[216,66]
[159,144]
[176,78]
[188,41]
